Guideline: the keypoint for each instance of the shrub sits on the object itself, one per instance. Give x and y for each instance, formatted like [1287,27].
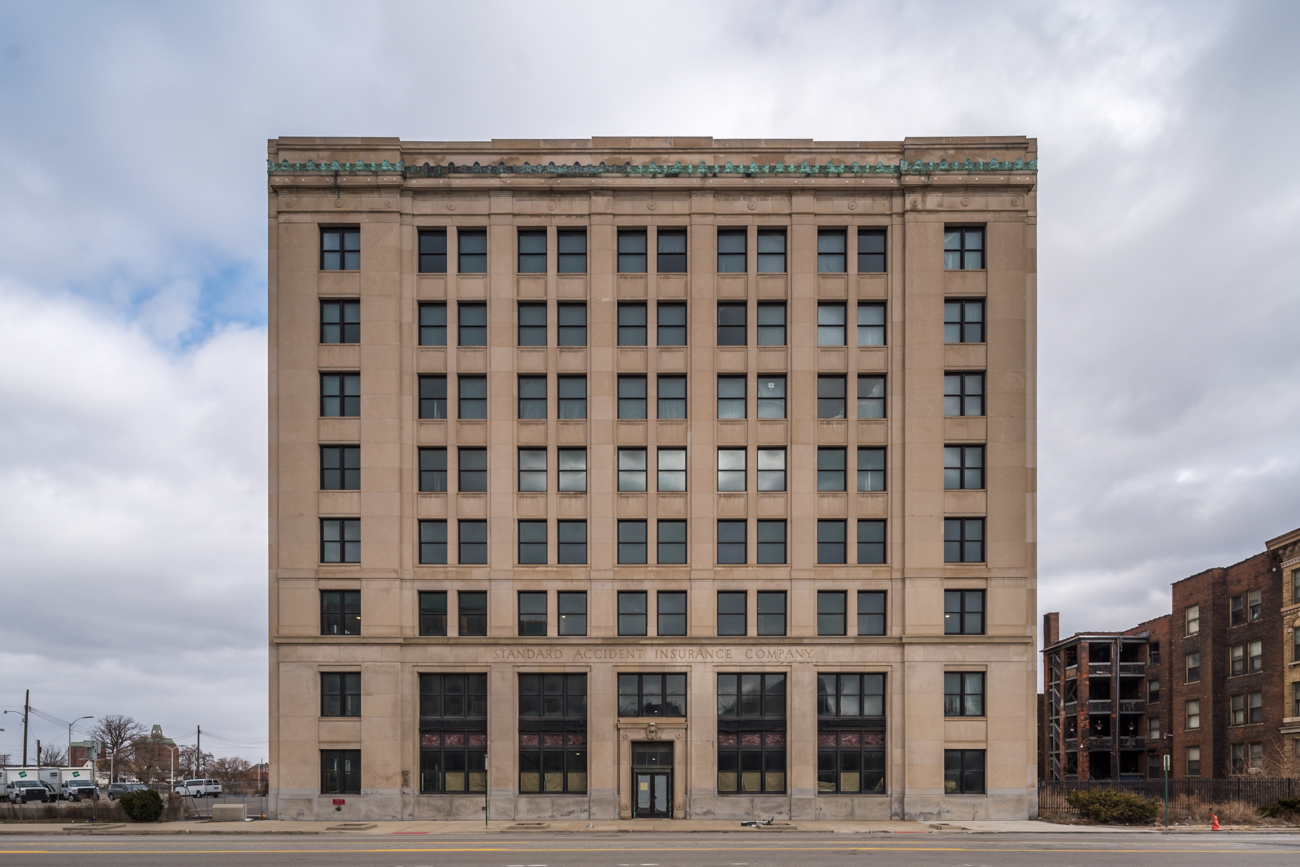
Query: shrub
[143,806]
[1281,808]
[1114,808]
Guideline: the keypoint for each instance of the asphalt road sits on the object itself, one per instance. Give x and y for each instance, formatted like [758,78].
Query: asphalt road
[757,849]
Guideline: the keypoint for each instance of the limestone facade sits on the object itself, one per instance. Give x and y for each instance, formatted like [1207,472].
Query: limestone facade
[862,291]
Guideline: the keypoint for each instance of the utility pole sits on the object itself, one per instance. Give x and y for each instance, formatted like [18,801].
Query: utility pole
[27,701]
[198,753]
[38,752]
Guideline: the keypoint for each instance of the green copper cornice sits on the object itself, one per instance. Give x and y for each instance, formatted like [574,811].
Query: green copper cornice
[651,169]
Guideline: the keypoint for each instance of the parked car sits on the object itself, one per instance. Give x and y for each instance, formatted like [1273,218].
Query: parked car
[25,791]
[117,790]
[199,788]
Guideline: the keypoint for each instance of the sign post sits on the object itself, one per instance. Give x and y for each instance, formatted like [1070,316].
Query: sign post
[1166,764]
[485,792]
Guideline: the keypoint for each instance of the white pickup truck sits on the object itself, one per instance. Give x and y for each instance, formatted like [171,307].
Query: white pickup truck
[199,788]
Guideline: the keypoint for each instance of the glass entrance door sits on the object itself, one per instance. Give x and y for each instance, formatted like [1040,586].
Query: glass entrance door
[652,780]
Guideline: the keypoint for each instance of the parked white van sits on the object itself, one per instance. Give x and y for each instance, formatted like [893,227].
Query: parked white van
[199,788]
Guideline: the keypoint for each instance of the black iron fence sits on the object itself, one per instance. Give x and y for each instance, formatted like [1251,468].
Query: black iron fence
[1245,790]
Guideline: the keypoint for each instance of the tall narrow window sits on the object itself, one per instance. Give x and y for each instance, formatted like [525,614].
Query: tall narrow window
[340,468]
[433,251]
[732,324]
[532,251]
[831,251]
[963,394]
[631,251]
[771,251]
[471,323]
[340,322]
[731,397]
[340,612]
[573,396]
[572,318]
[672,469]
[871,542]
[831,402]
[751,759]
[672,397]
[963,248]
[871,612]
[473,543]
[631,543]
[963,467]
[453,733]
[340,249]
[671,609]
[731,251]
[963,612]
[831,327]
[771,323]
[631,469]
[1193,713]
[553,733]
[472,470]
[672,323]
[433,543]
[573,612]
[532,470]
[731,613]
[631,397]
[532,543]
[532,397]
[433,397]
[472,251]
[771,612]
[672,543]
[771,396]
[340,395]
[572,252]
[632,612]
[1253,602]
[771,542]
[871,469]
[832,543]
[771,469]
[573,470]
[340,540]
[871,397]
[433,324]
[433,470]
[672,251]
[831,612]
[433,612]
[532,323]
[572,548]
[963,321]
[731,469]
[471,615]
[1193,664]
[532,613]
[731,542]
[830,469]
[850,733]
[1194,758]
[632,324]
[871,324]
[963,540]
[1192,619]
[473,397]
[871,251]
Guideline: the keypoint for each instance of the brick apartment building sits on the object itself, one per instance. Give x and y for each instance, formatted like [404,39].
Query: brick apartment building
[1213,684]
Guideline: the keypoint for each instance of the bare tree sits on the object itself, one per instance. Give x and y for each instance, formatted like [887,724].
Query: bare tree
[4,759]
[149,759]
[229,768]
[51,757]
[191,763]
[116,733]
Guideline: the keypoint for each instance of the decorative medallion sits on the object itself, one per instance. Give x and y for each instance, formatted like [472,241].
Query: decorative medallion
[288,203]
[753,205]
[964,201]
[338,203]
[388,203]
[853,206]
[550,206]
[451,206]
[651,206]
[916,203]
[1015,200]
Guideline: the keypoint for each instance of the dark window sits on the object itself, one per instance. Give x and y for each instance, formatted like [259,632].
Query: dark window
[532,323]
[963,394]
[340,772]
[532,613]
[552,733]
[453,733]
[963,612]
[573,396]
[771,251]
[751,695]
[832,612]
[963,693]
[771,469]
[671,604]
[871,469]
[751,761]
[672,542]
[963,321]
[871,397]
[850,762]
[632,324]
[771,612]
[1237,611]
[672,323]
[963,467]
[631,251]
[532,543]
[831,470]
[652,695]
[1193,661]
[433,324]
[572,324]
[732,619]
[433,613]
[731,397]
[340,694]
[871,542]
[771,396]
[340,540]
[831,256]
[871,251]
[340,395]
[871,324]
[532,397]
[340,468]
[631,397]
[340,322]
[731,469]
[340,249]
[672,397]
[771,323]
[963,772]
[1153,691]
[572,245]
[672,251]
[731,251]
[632,612]
[572,542]
[473,251]
[433,397]
[473,543]
[472,470]
[471,605]
[731,323]
[771,542]
[632,542]
[573,471]
[433,251]
[731,542]
[831,401]
[340,612]
[963,540]
[471,323]
[532,469]
[573,612]
[473,397]
[831,323]
[433,542]
[632,470]
[963,248]
[672,469]
[532,251]
[1255,655]
[850,695]
[832,543]
[1153,653]
[553,695]
[871,611]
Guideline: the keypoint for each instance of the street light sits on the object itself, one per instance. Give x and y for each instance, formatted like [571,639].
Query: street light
[68,758]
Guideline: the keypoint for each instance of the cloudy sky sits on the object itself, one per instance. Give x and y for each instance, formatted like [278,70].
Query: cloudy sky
[133,275]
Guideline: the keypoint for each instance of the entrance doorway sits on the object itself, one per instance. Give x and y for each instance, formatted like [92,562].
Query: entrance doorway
[652,779]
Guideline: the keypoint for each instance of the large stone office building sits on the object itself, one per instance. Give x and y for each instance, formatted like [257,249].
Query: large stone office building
[652,477]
